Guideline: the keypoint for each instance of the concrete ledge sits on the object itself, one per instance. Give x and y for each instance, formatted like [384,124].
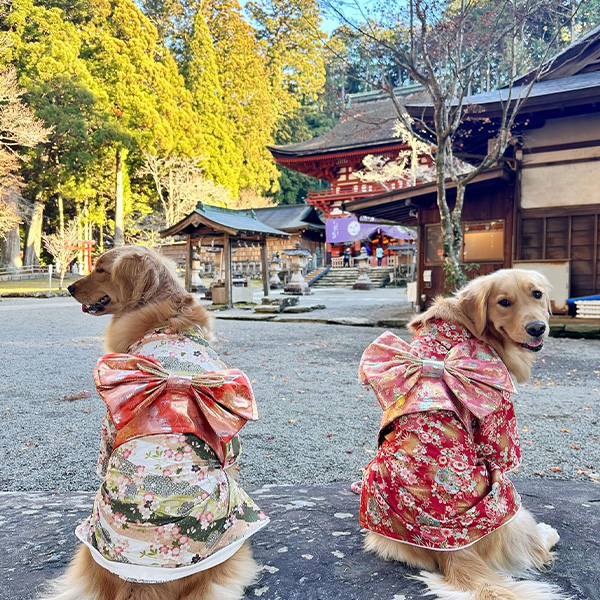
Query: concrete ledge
[311,550]
[61,294]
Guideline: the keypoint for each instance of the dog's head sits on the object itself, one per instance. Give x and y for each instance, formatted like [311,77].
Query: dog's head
[124,279]
[511,305]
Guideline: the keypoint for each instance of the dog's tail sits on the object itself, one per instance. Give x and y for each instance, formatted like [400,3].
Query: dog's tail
[467,577]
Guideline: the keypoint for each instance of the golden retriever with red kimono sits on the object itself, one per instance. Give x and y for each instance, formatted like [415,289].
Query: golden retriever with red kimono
[437,495]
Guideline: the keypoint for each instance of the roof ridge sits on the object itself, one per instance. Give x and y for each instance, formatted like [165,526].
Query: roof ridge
[200,206]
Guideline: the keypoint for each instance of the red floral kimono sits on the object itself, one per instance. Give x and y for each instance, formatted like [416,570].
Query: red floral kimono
[447,439]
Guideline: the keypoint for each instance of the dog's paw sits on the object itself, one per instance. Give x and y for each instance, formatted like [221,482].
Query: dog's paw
[548,534]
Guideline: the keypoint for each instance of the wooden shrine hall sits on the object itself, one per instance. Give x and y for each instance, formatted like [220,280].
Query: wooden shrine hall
[226,229]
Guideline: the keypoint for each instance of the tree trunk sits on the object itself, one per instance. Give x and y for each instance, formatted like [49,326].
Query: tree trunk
[10,250]
[118,239]
[452,266]
[33,245]
[61,216]
[78,254]
[460,278]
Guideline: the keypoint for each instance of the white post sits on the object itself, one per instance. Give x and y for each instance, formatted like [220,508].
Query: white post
[50,277]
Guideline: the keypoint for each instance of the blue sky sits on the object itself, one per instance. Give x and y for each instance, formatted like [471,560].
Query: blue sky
[330,21]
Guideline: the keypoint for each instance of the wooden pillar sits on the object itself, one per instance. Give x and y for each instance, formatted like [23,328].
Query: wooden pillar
[228,282]
[265,266]
[188,263]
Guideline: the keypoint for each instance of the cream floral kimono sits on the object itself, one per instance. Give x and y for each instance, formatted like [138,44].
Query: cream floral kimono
[167,507]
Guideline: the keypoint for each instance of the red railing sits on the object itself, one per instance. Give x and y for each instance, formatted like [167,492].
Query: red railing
[346,193]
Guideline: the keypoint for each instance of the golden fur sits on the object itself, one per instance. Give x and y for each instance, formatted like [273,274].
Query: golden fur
[145,294]
[521,544]
[477,307]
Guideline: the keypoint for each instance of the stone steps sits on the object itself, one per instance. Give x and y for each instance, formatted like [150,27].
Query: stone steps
[346,277]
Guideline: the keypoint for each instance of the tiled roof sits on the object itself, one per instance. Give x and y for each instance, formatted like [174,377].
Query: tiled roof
[368,121]
[290,217]
[582,55]
[224,219]
[576,89]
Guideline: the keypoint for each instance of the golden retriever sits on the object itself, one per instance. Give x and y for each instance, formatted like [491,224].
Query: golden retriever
[508,310]
[142,293]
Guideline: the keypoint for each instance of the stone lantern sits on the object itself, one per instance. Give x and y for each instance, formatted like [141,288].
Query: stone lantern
[363,282]
[299,257]
[274,269]
[197,284]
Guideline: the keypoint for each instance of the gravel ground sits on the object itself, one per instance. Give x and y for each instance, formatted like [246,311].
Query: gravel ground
[317,424]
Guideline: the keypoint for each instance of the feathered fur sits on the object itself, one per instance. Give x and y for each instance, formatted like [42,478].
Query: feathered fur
[145,294]
[481,572]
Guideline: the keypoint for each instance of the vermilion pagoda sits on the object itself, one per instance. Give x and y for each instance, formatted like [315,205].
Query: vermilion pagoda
[366,127]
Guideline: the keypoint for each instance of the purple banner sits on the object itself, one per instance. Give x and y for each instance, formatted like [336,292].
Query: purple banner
[348,229]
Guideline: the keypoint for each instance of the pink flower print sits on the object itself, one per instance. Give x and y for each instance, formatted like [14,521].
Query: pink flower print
[442,460]
[407,500]
[459,466]
[164,549]
[148,497]
[145,512]
[187,449]
[169,471]
[407,476]
[183,540]
[118,520]
[138,476]
[179,457]
[175,551]
[119,549]
[168,453]
[424,437]
[262,516]
[205,520]
[126,453]
[446,532]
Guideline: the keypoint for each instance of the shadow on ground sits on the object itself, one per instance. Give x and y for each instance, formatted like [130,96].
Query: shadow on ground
[312,548]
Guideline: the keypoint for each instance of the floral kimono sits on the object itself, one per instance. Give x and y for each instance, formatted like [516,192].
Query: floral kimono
[447,439]
[167,507]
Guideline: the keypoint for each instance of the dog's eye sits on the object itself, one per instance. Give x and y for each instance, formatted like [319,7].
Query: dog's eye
[100,270]
[504,302]
[537,294]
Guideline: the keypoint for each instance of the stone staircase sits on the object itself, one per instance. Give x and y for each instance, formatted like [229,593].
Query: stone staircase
[346,278]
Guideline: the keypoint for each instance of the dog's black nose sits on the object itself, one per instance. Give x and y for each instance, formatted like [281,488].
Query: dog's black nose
[535,328]
[71,289]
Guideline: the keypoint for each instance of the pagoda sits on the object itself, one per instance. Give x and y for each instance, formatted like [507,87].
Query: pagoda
[366,127]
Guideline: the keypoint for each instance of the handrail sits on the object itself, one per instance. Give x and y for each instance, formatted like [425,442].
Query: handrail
[29,270]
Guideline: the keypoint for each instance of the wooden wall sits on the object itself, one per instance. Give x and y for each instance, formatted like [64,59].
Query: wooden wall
[488,201]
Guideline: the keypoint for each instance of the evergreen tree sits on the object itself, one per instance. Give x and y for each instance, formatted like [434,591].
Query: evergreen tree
[247,92]
[222,162]
[148,104]
[292,42]
[46,49]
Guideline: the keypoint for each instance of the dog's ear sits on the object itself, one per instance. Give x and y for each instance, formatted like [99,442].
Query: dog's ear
[136,273]
[473,301]
[547,286]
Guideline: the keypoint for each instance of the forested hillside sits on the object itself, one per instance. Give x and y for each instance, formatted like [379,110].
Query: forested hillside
[119,116]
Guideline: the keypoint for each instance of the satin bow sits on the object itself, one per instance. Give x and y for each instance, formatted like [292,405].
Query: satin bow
[472,371]
[222,400]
